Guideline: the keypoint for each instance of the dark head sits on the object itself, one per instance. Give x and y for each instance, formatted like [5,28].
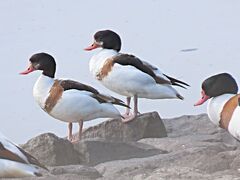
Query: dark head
[106,39]
[43,62]
[217,85]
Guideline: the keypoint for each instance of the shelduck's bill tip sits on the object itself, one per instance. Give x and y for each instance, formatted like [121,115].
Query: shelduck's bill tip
[28,70]
[91,47]
[203,99]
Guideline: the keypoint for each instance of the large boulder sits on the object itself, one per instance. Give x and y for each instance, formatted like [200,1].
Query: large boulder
[190,125]
[52,150]
[148,125]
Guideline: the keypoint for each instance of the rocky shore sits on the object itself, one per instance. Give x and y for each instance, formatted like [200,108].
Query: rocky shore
[149,148]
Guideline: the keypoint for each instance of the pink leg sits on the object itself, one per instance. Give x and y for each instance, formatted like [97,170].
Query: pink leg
[135,111]
[127,113]
[78,137]
[80,130]
[70,136]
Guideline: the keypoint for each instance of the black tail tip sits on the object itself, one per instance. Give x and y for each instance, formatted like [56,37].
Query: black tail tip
[180,97]
[38,174]
[238,100]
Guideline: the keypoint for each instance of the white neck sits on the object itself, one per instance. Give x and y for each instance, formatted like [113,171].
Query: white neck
[215,106]
[98,60]
[41,89]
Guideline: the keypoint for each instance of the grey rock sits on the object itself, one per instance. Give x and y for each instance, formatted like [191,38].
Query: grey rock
[190,125]
[52,150]
[148,125]
[235,164]
[188,164]
[83,171]
[98,151]
[181,173]
[194,149]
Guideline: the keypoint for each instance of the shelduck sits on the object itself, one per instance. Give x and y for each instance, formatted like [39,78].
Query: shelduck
[127,75]
[68,100]
[224,103]
[15,162]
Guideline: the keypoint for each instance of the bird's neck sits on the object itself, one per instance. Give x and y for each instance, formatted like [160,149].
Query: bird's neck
[42,88]
[98,60]
[104,54]
[215,107]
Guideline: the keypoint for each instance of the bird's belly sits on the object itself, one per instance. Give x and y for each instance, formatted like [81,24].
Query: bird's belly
[74,110]
[78,107]
[134,82]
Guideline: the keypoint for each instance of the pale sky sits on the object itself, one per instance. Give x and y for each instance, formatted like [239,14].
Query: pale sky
[156,31]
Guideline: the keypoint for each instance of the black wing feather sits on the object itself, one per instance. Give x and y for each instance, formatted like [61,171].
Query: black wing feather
[70,84]
[176,82]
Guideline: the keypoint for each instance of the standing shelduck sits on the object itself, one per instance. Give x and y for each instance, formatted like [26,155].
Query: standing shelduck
[15,162]
[68,100]
[127,75]
[224,103]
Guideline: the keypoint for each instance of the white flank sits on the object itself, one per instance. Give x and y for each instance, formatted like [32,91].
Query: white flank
[75,106]
[234,124]
[215,106]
